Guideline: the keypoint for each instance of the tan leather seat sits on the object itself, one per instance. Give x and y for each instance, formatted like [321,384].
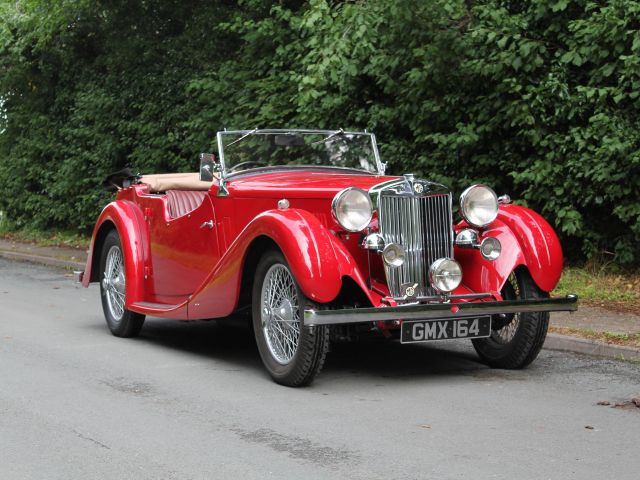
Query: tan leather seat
[181,202]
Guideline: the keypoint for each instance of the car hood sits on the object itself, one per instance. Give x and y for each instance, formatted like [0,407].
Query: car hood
[300,184]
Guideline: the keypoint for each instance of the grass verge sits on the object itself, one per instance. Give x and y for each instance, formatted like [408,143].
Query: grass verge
[612,338]
[602,286]
[48,239]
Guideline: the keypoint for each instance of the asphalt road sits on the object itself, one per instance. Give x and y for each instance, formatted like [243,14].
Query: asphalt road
[191,400]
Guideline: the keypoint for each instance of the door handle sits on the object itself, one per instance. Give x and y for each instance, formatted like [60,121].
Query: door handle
[208,224]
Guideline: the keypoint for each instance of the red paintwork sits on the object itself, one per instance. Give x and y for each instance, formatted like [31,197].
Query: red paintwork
[176,269]
[526,238]
[539,242]
[127,218]
[303,184]
[317,259]
[182,254]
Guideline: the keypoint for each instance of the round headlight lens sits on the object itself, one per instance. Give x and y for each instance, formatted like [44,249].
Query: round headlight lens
[445,274]
[352,209]
[479,205]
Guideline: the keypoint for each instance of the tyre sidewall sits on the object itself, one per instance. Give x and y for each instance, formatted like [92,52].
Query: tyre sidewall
[130,323]
[527,341]
[281,373]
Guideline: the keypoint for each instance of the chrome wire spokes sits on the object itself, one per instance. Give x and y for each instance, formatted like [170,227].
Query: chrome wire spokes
[113,282]
[505,334]
[280,313]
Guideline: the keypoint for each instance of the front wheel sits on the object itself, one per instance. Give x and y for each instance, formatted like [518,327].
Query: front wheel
[516,339]
[292,353]
[121,322]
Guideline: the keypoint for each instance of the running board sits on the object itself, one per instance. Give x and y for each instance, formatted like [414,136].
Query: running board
[177,311]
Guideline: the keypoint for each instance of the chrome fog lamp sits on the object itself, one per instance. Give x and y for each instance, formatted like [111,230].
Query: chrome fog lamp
[479,205]
[467,238]
[393,255]
[445,274]
[352,209]
[490,248]
[373,241]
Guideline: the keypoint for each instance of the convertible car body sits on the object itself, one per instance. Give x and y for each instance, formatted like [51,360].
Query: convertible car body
[305,229]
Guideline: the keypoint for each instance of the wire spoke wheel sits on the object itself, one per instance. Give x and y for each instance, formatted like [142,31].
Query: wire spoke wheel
[114,282]
[292,353]
[280,314]
[506,333]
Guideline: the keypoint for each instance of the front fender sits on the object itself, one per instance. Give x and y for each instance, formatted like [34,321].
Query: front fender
[317,260]
[128,220]
[540,245]
[527,239]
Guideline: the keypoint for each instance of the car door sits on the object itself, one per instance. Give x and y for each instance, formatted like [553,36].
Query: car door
[183,245]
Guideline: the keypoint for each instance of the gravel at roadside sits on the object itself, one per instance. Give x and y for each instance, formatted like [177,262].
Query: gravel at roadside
[65,257]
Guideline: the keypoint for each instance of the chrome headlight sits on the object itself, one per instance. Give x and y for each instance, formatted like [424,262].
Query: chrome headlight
[352,209]
[490,248]
[479,205]
[445,274]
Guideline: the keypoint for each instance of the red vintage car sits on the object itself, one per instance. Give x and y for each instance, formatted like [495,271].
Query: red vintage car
[304,228]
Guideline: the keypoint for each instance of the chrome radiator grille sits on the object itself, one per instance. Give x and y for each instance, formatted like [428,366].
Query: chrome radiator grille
[423,226]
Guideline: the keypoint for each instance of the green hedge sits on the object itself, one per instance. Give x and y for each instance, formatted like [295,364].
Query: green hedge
[539,99]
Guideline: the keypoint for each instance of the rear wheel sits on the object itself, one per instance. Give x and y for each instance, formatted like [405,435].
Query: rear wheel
[292,353]
[121,322]
[516,339]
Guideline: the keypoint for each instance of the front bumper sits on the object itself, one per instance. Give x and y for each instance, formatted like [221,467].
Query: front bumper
[438,310]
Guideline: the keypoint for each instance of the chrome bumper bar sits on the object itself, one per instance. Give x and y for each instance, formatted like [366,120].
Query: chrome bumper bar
[438,310]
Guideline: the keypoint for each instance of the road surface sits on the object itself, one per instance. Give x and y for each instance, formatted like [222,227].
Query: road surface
[192,401]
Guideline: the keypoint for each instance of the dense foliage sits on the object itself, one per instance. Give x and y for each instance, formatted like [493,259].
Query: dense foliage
[540,99]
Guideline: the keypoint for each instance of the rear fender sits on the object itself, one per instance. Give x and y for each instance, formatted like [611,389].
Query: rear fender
[526,239]
[127,218]
[317,260]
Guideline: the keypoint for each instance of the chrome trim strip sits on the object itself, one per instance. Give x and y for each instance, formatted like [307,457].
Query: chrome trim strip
[439,298]
[222,189]
[438,310]
[382,166]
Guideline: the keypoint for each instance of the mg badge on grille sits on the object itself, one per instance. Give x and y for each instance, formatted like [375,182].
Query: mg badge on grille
[418,188]
[409,289]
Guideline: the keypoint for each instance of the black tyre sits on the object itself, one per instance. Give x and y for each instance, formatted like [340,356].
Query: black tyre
[516,340]
[292,353]
[121,322]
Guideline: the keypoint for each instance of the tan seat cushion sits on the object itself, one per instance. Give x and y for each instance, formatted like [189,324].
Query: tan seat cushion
[175,181]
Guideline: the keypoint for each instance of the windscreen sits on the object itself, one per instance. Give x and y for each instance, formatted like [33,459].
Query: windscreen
[255,149]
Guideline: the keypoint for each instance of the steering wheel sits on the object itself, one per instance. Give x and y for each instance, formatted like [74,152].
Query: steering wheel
[245,164]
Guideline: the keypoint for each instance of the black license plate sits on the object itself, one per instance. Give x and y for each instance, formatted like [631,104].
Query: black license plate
[445,329]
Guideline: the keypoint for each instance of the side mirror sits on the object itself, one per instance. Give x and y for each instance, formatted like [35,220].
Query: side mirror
[207,167]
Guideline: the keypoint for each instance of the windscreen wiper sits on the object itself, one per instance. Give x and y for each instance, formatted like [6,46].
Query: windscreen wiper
[250,132]
[330,136]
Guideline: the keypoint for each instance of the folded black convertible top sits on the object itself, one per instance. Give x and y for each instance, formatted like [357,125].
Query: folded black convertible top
[121,179]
